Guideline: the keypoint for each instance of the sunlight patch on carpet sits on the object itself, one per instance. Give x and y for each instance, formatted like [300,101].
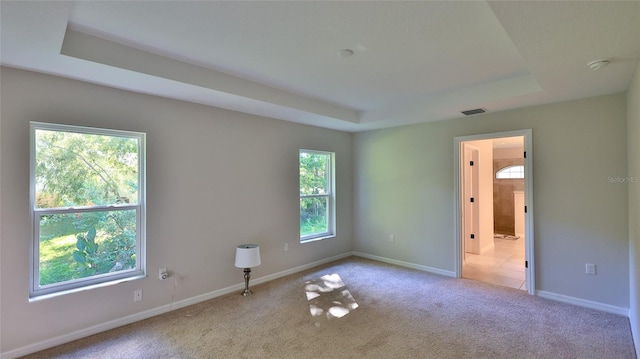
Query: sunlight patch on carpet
[329,296]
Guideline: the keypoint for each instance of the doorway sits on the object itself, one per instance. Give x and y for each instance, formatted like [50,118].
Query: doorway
[494,209]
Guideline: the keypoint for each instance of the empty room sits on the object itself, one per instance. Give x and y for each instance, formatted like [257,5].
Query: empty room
[320,179]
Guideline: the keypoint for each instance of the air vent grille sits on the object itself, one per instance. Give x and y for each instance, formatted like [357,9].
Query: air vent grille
[475,111]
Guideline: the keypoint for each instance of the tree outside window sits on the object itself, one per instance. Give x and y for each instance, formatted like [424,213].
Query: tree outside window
[316,195]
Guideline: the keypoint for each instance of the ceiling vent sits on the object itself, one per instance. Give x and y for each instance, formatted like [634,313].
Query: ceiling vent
[475,111]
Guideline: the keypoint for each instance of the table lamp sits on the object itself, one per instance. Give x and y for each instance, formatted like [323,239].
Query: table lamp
[247,256]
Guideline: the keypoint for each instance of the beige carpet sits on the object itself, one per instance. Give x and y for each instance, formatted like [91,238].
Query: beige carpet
[358,308]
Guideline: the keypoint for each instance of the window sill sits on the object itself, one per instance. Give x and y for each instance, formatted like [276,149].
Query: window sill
[314,239]
[39,297]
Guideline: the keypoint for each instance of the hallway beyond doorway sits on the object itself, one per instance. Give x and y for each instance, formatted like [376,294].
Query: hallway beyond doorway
[489,256]
[502,265]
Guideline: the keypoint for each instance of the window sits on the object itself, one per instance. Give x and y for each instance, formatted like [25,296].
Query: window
[511,172]
[87,207]
[317,208]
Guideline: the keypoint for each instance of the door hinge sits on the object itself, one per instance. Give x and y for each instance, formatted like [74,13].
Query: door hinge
[525,154]
[472,199]
[526,264]
[525,209]
[473,236]
[470,163]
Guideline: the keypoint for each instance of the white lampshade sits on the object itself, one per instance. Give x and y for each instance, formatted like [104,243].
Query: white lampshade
[247,256]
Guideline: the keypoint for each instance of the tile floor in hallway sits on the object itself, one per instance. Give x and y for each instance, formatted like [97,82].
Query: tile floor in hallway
[501,265]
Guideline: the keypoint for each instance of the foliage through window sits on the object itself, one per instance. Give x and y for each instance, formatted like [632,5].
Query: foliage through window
[87,200]
[511,172]
[316,195]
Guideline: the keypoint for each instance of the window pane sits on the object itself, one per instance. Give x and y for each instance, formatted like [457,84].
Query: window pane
[314,173]
[510,172]
[317,218]
[84,244]
[313,215]
[76,169]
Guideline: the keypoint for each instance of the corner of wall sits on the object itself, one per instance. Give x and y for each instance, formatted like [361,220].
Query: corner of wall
[633,176]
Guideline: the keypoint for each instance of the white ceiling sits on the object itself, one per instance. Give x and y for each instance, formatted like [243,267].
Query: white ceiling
[414,61]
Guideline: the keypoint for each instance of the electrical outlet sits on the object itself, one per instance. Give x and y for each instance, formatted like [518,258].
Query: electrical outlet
[163,274]
[392,238]
[137,295]
[286,247]
[590,268]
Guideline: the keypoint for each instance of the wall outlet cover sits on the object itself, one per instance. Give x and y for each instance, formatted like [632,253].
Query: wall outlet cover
[163,274]
[590,268]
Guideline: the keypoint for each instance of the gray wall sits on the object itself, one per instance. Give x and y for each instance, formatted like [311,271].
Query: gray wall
[633,145]
[215,179]
[405,186]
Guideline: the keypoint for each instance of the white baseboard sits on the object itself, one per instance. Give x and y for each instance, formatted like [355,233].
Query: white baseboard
[584,303]
[301,268]
[543,294]
[52,342]
[406,264]
[112,324]
[82,333]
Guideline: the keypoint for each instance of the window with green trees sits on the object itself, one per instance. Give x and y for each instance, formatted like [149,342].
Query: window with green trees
[317,209]
[87,206]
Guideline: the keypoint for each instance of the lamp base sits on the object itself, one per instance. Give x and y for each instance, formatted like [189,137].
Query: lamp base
[247,275]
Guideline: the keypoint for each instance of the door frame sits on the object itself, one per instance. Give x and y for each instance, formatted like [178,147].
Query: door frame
[528,186]
[471,220]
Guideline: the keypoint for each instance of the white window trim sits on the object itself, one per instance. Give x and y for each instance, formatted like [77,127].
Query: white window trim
[36,292]
[331,208]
